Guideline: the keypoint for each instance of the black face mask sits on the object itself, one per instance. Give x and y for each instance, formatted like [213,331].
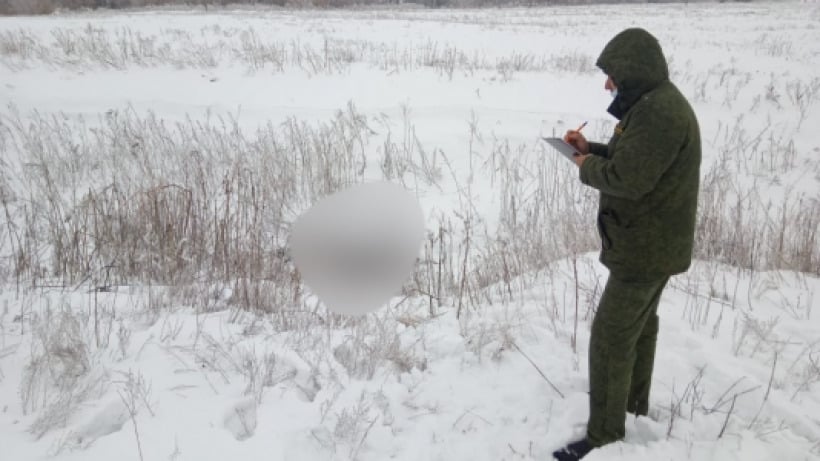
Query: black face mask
[623,101]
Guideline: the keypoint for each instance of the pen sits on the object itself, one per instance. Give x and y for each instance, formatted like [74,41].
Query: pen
[581,127]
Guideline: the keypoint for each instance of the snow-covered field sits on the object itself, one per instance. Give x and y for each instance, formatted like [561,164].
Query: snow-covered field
[153,160]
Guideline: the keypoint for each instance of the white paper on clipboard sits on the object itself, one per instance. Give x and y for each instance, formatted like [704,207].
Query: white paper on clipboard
[561,146]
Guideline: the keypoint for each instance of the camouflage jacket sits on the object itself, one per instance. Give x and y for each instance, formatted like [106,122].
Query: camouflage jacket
[648,174]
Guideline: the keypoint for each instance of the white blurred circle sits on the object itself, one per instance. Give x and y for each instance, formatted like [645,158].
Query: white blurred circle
[357,247]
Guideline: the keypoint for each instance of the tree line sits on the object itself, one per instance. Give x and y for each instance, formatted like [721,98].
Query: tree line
[30,7]
[26,7]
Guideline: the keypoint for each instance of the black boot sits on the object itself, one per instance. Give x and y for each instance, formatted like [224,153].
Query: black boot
[574,451]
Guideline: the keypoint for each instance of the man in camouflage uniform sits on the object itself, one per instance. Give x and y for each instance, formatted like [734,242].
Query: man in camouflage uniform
[648,177]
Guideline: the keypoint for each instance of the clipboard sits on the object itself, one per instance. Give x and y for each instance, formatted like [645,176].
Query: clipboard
[561,146]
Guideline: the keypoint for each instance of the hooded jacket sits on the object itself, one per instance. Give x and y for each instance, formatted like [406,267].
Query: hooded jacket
[648,174]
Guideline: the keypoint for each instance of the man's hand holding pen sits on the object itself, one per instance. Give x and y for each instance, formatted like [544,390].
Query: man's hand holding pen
[579,142]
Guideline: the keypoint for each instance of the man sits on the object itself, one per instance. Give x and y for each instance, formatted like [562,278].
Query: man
[648,177]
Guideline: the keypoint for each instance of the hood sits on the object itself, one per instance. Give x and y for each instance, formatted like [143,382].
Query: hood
[635,62]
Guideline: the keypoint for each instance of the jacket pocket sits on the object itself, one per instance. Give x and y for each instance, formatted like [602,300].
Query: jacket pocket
[606,243]
[609,227]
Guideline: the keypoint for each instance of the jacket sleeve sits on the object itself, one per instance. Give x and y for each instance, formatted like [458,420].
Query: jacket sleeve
[647,147]
[596,148]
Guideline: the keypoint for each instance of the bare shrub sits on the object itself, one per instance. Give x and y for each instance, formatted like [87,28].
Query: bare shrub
[354,423]
[738,225]
[803,95]
[542,219]
[207,203]
[124,47]
[262,372]
[373,343]
[59,375]
[808,374]
[773,45]
[134,397]
[692,395]
[573,62]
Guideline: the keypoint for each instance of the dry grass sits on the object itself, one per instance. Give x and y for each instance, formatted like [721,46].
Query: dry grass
[125,48]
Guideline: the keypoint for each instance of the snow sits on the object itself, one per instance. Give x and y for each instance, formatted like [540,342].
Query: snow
[473,397]
[180,382]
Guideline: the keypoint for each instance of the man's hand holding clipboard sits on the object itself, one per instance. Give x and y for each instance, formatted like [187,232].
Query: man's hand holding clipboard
[574,146]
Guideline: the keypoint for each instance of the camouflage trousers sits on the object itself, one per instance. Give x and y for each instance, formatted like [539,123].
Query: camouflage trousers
[621,356]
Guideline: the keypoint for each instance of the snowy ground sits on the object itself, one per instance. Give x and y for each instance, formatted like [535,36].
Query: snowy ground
[138,373]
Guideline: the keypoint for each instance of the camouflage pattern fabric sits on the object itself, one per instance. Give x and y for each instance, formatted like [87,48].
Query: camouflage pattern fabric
[649,173]
[648,177]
